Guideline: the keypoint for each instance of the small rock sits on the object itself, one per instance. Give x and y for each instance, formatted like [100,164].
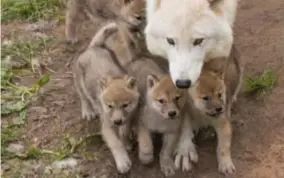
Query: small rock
[15,148]
[41,25]
[48,170]
[65,163]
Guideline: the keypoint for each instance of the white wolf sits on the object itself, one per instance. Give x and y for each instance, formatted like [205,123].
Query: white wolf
[188,33]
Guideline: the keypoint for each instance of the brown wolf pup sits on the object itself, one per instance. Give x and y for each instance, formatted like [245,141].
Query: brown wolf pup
[121,10]
[209,100]
[105,89]
[162,110]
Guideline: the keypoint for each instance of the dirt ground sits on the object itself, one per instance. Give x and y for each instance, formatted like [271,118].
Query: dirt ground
[258,143]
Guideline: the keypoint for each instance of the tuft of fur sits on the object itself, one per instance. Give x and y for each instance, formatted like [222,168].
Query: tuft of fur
[209,103]
[106,90]
[194,32]
[118,10]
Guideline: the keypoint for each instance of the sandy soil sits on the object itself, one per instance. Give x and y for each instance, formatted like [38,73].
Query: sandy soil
[258,143]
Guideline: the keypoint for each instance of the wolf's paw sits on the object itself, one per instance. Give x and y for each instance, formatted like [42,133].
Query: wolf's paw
[146,158]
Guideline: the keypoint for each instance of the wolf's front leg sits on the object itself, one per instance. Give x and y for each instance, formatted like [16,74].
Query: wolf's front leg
[185,150]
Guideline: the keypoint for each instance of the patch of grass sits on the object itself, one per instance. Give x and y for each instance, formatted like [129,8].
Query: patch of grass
[17,60]
[31,10]
[259,85]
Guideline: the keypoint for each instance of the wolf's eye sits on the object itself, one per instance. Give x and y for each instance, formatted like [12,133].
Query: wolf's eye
[206,98]
[109,106]
[219,95]
[161,101]
[198,41]
[171,41]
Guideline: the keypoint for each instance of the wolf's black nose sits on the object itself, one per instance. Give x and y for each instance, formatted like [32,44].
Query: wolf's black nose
[183,83]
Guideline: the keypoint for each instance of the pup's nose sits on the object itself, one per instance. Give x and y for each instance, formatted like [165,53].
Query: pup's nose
[172,113]
[183,83]
[118,122]
[219,109]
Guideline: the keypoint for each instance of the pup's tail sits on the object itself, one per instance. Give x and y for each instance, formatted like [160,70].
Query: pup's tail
[240,72]
[103,33]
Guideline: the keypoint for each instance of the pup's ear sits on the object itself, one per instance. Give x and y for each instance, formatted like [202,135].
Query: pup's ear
[217,66]
[151,80]
[131,82]
[214,2]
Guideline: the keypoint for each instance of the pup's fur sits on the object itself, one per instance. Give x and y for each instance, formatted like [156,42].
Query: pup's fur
[80,10]
[192,32]
[162,110]
[209,100]
[220,68]
[101,84]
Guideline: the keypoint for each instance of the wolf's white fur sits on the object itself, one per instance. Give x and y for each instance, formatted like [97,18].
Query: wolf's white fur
[184,21]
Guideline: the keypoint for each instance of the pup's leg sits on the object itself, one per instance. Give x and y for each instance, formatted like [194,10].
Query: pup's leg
[224,133]
[185,151]
[86,108]
[73,21]
[166,161]
[146,151]
[124,133]
[122,160]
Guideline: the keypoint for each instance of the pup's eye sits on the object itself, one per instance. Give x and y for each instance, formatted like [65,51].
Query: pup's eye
[177,98]
[138,17]
[109,106]
[219,95]
[198,41]
[124,105]
[171,41]
[206,98]
[161,101]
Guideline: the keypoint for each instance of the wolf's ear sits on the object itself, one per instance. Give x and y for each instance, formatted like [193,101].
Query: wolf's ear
[151,80]
[131,82]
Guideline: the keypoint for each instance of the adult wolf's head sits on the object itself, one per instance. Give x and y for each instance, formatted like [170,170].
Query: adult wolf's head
[187,33]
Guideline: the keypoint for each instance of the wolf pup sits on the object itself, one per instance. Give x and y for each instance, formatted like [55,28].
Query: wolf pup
[209,99]
[162,111]
[80,10]
[104,88]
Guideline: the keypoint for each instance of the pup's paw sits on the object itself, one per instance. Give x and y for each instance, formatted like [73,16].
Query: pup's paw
[123,163]
[146,158]
[72,40]
[88,113]
[226,166]
[167,166]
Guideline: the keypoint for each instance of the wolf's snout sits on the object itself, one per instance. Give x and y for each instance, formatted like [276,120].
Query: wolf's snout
[183,83]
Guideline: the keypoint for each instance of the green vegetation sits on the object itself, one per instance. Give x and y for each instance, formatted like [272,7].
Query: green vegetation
[261,84]
[31,10]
